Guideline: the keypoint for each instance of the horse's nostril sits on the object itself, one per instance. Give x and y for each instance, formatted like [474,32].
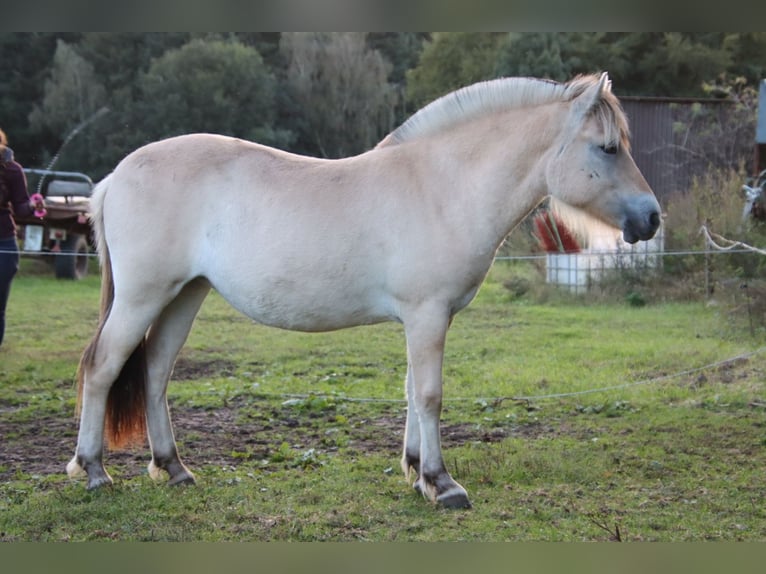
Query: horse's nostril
[654,219]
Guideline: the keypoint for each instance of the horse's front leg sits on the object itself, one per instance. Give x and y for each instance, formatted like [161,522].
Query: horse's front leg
[426,335]
[411,452]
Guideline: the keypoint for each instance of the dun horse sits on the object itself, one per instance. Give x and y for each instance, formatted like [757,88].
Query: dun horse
[404,232]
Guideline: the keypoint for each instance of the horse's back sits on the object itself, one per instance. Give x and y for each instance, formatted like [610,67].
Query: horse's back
[186,183]
[189,160]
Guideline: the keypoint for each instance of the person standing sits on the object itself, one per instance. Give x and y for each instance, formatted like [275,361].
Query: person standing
[14,201]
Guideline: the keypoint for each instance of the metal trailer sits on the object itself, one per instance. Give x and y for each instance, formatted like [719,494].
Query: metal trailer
[64,232]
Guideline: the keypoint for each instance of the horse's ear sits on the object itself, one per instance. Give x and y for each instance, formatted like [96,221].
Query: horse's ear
[605,82]
[591,96]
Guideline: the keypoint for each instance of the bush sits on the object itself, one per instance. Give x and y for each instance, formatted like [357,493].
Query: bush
[716,200]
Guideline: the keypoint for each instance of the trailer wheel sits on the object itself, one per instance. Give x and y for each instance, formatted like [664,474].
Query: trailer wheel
[72,262]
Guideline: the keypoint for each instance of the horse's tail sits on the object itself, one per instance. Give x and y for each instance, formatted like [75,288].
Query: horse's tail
[126,403]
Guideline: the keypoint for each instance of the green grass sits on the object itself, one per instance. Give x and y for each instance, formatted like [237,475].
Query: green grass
[669,459]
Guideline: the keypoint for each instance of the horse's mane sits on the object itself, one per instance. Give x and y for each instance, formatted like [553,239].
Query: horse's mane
[492,96]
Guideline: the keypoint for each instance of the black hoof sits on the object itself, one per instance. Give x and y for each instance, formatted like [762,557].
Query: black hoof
[99,483]
[183,480]
[457,501]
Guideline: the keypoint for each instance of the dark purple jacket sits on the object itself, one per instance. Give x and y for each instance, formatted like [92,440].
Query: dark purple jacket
[14,200]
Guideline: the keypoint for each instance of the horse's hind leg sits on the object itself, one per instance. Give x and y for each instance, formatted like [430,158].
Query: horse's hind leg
[164,340]
[122,332]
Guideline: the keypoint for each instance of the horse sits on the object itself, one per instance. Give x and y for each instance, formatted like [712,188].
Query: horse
[405,232]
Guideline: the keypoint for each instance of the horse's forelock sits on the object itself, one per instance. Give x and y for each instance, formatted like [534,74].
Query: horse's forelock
[613,121]
[608,111]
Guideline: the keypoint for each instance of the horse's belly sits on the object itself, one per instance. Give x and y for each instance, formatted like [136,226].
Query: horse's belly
[309,310]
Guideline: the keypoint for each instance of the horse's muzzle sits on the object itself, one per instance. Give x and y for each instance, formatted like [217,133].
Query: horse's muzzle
[643,225]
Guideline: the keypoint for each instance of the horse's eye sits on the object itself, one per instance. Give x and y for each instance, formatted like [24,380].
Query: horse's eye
[610,149]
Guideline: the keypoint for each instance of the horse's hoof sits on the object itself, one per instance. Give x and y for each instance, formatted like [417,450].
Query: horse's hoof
[99,482]
[183,480]
[96,473]
[456,501]
[175,469]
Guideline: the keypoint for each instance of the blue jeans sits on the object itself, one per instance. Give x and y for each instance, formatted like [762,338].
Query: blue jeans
[9,265]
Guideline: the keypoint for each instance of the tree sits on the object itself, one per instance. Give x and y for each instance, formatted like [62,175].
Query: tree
[677,64]
[402,50]
[640,63]
[543,55]
[339,89]
[452,60]
[119,58]
[24,67]
[561,56]
[72,93]
[748,56]
[209,86]
[72,97]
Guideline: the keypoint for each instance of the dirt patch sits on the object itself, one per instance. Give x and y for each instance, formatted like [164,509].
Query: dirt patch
[229,435]
[189,369]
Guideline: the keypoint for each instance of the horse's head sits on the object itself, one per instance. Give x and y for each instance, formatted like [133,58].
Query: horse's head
[591,168]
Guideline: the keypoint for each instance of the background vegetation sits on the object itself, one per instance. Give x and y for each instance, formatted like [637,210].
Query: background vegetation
[316,93]
[336,94]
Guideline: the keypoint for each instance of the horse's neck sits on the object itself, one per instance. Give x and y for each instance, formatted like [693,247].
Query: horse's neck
[494,171]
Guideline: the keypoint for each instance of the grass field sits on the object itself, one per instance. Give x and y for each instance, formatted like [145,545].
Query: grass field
[297,437]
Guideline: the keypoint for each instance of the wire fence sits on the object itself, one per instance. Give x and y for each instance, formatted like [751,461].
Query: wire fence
[297,398]
[62,253]
[520,257]
[670,253]
[716,250]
